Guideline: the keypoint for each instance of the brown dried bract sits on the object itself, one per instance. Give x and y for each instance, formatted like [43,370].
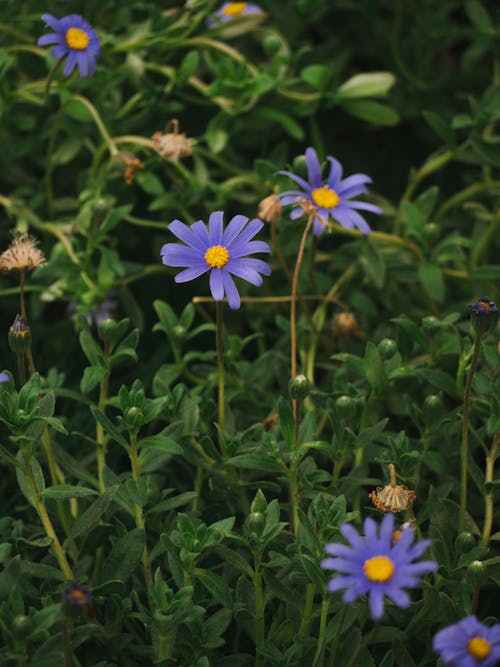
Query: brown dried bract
[22,254]
[270,209]
[132,166]
[345,325]
[172,144]
[393,497]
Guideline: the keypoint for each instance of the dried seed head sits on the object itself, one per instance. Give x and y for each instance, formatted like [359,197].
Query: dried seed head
[270,422]
[345,325]
[270,209]
[22,254]
[132,166]
[172,144]
[393,497]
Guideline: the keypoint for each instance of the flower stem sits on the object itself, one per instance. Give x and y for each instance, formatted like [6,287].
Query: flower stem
[259,608]
[220,371]
[100,434]
[319,658]
[138,513]
[488,498]
[293,302]
[294,497]
[45,519]
[465,432]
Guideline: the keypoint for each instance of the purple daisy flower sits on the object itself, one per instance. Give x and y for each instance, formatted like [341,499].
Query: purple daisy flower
[77,595]
[222,252]
[377,564]
[231,10]
[483,306]
[74,39]
[4,377]
[330,198]
[469,643]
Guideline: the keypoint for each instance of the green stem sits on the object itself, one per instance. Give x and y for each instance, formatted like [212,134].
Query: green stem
[139,514]
[336,641]
[464,195]
[369,637]
[45,519]
[319,658]
[219,344]
[465,432]
[294,497]
[100,434]
[308,609]
[293,302]
[488,497]
[259,608]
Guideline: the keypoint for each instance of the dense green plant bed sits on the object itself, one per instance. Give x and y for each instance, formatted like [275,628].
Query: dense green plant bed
[249,399]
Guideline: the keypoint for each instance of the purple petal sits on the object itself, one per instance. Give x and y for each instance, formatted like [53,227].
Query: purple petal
[216,284]
[350,181]
[249,232]
[313,168]
[300,181]
[215,224]
[83,64]
[354,191]
[318,227]
[376,603]
[343,217]
[243,268]
[51,21]
[59,51]
[250,248]
[399,597]
[364,206]
[352,535]
[174,254]
[233,229]
[190,235]
[232,294]
[191,273]
[51,38]
[70,63]
[387,529]
[335,173]
[337,549]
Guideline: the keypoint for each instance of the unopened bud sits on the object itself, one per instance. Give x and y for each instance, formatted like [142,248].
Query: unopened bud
[345,406]
[19,335]
[387,347]
[259,503]
[464,542]
[134,417]
[256,522]
[477,573]
[106,328]
[299,388]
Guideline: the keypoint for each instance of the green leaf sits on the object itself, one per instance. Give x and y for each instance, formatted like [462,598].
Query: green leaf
[440,127]
[373,112]
[124,557]
[374,367]
[431,279]
[78,111]
[316,75]
[216,585]
[109,427]
[64,491]
[92,514]
[173,503]
[150,183]
[188,66]
[91,349]
[160,442]
[92,375]
[479,16]
[23,479]
[370,84]
[255,462]
[288,123]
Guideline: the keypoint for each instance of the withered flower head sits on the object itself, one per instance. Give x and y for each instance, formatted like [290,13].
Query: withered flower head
[393,497]
[22,254]
[172,144]
[132,166]
[77,595]
[270,422]
[346,326]
[270,208]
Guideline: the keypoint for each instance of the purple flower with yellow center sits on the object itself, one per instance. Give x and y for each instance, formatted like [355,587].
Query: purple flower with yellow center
[483,307]
[469,643]
[222,252]
[377,564]
[75,40]
[330,198]
[232,10]
[77,595]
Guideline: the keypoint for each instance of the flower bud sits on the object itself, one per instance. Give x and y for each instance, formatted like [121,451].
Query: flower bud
[387,347]
[433,406]
[477,573]
[345,406]
[106,329]
[22,626]
[19,335]
[465,542]
[431,324]
[256,522]
[299,387]
[484,313]
[134,417]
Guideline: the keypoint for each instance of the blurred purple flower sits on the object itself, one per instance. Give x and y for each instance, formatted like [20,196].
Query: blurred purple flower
[75,40]
[330,198]
[483,306]
[77,595]
[96,315]
[376,564]
[222,252]
[4,377]
[231,10]
[469,643]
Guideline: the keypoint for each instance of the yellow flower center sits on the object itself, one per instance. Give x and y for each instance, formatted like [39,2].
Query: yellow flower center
[77,39]
[479,647]
[217,256]
[485,305]
[325,197]
[396,535]
[234,8]
[379,568]
[77,595]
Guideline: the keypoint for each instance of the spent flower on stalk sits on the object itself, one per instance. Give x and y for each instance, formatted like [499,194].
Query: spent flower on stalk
[220,251]
[330,198]
[376,564]
[171,144]
[484,313]
[468,643]
[21,255]
[77,595]
[73,39]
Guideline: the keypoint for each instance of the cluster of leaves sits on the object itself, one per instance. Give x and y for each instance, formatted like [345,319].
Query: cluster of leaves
[186,533]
